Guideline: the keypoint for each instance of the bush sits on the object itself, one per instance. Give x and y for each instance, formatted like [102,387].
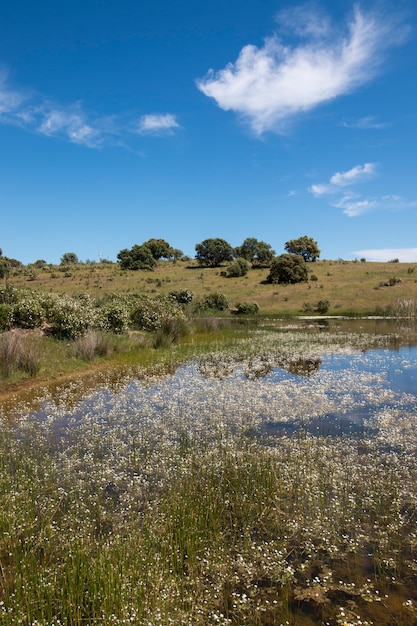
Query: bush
[246,308]
[137,258]
[113,316]
[307,308]
[288,269]
[322,306]
[149,314]
[28,311]
[70,318]
[9,295]
[69,258]
[238,267]
[216,301]
[184,296]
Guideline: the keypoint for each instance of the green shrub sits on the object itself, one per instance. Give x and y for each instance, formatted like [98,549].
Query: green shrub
[322,306]
[216,301]
[288,269]
[184,296]
[71,317]
[28,311]
[238,267]
[9,295]
[149,314]
[307,308]
[246,308]
[113,316]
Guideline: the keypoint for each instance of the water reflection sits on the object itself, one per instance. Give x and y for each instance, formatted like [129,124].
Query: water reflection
[322,387]
[328,396]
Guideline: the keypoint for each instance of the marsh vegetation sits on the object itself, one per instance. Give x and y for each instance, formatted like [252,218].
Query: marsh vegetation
[271,481]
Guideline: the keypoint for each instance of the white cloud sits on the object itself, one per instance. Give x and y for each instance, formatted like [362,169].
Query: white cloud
[70,124]
[350,201]
[157,124]
[12,102]
[353,207]
[36,113]
[404,255]
[270,85]
[357,173]
[304,21]
[338,180]
[364,123]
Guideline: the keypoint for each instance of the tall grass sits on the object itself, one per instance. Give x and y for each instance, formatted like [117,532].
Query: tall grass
[18,352]
[93,344]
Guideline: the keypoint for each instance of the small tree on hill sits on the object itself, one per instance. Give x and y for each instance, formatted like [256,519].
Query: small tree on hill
[305,246]
[69,258]
[160,249]
[137,258]
[288,269]
[258,253]
[213,252]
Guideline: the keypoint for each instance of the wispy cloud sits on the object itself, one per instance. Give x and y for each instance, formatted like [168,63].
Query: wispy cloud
[342,196]
[36,113]
[364,123]
[344,179]
[353,205]
[157,124]
[404,255]
[270,85]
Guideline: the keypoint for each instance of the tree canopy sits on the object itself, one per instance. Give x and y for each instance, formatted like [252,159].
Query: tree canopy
[160,249]
[213,252]
[69,258]
[137,258]
[304,246]
[288,269]
[256,252]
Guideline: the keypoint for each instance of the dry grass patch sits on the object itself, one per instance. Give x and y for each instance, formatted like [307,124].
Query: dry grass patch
[349,286]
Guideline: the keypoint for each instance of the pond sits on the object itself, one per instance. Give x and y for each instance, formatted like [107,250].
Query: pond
[272,481]
[335,382]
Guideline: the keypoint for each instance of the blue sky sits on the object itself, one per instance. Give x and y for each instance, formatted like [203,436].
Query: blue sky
[122,121]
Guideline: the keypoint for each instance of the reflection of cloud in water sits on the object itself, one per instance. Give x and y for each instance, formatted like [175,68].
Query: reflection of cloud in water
[342,393]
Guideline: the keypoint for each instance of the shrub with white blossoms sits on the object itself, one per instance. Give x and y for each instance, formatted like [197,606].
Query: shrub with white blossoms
[72,317]
[28,311]
[113,316]
[149,314]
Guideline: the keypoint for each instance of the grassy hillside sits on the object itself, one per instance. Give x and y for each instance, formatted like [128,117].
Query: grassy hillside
[349,286]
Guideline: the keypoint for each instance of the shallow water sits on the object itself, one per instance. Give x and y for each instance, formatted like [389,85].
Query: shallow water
[330,392]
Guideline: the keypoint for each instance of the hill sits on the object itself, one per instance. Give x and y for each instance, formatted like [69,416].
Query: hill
[350,287]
